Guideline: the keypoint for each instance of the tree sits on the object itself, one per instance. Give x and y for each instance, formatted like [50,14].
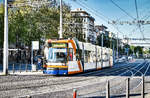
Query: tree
[106,41]
[1,25]
[132,49]
[139,50]
[27,23]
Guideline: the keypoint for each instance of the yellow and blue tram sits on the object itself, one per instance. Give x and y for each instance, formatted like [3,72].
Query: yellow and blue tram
[69,56]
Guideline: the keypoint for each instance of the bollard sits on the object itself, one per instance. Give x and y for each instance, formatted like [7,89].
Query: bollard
[127,87]
[143,88]
[20,68]
[74,93]
[28,96]
[107,90]
[13,68]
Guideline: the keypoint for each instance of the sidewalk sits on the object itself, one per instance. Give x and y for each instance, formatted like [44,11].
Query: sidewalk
[25,73]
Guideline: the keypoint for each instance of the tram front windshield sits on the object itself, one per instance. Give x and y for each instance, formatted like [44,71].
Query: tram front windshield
[57,55]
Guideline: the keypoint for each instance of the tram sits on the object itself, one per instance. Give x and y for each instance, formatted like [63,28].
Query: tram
[70,56]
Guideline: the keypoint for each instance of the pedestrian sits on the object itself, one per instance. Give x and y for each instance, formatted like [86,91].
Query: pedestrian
[39,63]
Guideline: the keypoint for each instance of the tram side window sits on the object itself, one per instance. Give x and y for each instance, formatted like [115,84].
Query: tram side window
[78,54]
[70,54]
[87,56]
[98,56]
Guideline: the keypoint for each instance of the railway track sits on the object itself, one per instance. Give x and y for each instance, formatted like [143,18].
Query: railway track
[73,79]
[57,82]
[120,85]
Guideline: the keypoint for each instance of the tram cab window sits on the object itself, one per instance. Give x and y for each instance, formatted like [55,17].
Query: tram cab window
[57,55]
[61,57]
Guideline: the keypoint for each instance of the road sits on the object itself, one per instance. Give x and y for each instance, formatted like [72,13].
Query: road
[90,84]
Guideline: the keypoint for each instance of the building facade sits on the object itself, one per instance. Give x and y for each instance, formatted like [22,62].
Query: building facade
[87,22]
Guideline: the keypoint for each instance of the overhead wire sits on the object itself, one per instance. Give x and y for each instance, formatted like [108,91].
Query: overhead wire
[95,10]
[90,10]
[139,25]
[103,16]
[122,9]
[96,13]
[144,18]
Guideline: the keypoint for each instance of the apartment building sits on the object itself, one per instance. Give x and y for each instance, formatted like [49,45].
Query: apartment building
[87,22]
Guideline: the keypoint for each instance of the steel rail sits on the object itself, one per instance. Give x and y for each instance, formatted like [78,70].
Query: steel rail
[142,75]
[139,77]
[115,78]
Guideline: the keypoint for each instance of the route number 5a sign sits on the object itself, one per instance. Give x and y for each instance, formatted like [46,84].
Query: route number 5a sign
[35,45]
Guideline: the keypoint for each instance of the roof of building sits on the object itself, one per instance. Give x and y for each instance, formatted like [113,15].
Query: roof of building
[79,10]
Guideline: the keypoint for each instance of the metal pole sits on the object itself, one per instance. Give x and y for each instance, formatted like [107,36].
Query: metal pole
[32,56]
[26,67]
[127,87]
[102,37]
[60,32]
[117,45]
[20,68]
[143,88]
[107,90]
[102,40]
[74,93]
[5,48]
[110,44]
[113,52]
[13,68]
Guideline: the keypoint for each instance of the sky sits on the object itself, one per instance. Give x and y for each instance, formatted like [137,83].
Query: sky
[104,11]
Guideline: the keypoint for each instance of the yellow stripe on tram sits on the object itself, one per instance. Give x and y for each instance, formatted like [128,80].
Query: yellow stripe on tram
[55,66]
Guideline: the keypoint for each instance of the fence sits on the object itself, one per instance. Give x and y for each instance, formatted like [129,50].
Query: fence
[107,91]
[19,60]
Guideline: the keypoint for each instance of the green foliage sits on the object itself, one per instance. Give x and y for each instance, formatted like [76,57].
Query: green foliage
[1,9]
[146,52]
[138,50]
[107,41]
[27,24]
[1,26]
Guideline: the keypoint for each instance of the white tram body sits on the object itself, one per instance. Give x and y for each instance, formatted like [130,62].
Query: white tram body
[70,56]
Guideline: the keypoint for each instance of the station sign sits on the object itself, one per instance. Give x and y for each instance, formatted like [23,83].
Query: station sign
[35,45]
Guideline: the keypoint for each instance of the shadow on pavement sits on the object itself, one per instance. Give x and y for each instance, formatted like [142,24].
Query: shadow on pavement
[117,96]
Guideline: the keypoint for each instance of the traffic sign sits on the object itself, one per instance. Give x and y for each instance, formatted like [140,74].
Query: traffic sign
[35,45]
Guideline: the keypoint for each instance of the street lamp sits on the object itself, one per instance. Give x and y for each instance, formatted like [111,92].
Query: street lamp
[60,32]
[5,48]
[102,37]
[117,44]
